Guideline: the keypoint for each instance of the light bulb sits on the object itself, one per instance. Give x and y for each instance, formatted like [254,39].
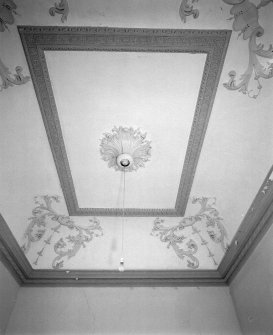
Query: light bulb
[121,267]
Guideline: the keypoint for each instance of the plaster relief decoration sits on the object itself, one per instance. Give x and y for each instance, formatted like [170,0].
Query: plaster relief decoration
[7,10]
[60,8]
[9,79]
[186,9]
[60,232]
[201,230]
[125,149]
[245,15]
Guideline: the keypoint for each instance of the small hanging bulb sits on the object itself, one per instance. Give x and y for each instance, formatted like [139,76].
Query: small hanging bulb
[121,267]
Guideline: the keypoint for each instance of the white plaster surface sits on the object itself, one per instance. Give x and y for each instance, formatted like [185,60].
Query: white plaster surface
[252,290]
[237,150]
[133,89]
[188,310]
[8,292]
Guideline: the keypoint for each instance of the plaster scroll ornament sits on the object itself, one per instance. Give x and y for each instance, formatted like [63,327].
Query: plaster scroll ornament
[245,17]
[60,8]
[201,230]
[125,149]
[8,80]
[7,10]
[46,225]
[186,9]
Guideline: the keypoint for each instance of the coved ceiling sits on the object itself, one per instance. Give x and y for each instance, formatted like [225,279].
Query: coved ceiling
[195,78]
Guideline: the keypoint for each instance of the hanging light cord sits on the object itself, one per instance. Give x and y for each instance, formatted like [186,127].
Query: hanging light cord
[123,214]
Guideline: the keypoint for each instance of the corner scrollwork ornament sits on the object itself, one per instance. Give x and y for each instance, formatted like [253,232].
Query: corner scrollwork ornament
[60,8]
[194,231]
[245,15]
[7,10]
[8,79]
[126,143]
[186,9]
[45,224]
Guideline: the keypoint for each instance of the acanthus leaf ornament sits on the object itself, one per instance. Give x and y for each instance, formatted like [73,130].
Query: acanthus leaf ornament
[181,235]
[7,9]
[245,15]
[125,149]
[47,223]
[186,9]
[60,8]
[8,80]
[175,239]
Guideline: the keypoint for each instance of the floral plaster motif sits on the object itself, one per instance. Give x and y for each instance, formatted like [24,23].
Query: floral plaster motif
[124,140]
[186,9]
[46,222]
[188,234]
[60,8]
[8,79]
[245,15]
[7,9]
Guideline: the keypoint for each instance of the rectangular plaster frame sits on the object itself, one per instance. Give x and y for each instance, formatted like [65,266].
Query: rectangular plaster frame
[213,43]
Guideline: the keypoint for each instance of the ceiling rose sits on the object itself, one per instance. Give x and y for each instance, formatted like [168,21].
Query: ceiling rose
[125,149]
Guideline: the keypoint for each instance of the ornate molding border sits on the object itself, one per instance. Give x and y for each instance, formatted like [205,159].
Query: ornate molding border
[213,43]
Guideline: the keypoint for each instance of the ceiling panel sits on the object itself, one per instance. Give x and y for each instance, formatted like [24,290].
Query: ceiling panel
[156,92]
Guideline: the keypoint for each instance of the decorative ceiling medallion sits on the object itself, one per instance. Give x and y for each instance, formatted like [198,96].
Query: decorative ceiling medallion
[125,149]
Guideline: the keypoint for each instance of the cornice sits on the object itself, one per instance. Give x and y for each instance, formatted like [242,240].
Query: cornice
[255,224]
[13,255]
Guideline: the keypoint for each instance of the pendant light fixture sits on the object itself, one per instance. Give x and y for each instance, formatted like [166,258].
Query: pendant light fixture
[125,149]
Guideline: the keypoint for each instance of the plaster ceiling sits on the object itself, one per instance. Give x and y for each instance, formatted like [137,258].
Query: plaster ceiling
[50,138]
[132,89]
